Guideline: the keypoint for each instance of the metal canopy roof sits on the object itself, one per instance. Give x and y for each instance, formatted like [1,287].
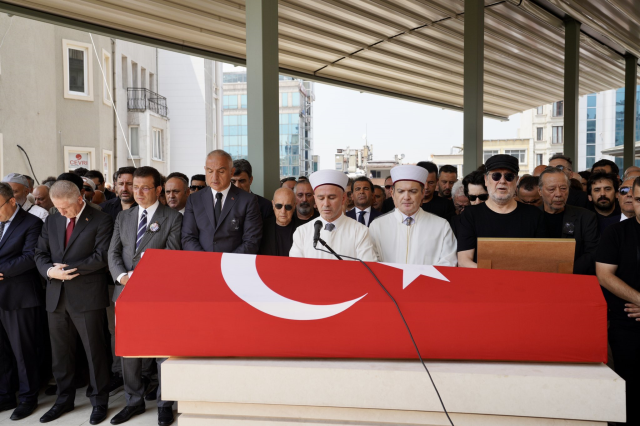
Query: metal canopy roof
[412,49]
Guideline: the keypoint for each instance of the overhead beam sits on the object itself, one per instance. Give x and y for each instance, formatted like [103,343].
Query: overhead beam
[263,111]
[571,86]
[473,84]
[630,87]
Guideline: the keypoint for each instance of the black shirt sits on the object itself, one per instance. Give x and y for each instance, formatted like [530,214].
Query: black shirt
[480,221]
[553,224]
[300,222]
[620,246]
[606,221]
[284,238]
[439,206]
[113,207]
[108,195]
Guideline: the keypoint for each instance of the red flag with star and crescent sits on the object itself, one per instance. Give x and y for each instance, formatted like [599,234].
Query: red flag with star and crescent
[236,305]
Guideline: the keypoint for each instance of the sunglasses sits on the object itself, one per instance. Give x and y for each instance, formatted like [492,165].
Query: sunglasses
[387,187]
[197,187]
[624,190]
[87,188]
[481,197]
[559,167]
[496,176]
[287,207]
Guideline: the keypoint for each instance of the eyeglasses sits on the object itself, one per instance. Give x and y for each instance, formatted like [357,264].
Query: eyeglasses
[481,197]
[144,189]
[387,187]
[287,207]
[561,167]
[197,187]
[87,188]
[624,190]
[496,176]
[9,199]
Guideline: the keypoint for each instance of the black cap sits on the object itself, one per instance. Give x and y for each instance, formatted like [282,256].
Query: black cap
[72,177]
[502,161]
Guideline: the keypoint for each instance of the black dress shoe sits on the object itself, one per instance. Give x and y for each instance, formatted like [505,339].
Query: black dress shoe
[56,411]
[165,416]
[25,409]
[98,414]
[127,413]
[8,405]
[51,390]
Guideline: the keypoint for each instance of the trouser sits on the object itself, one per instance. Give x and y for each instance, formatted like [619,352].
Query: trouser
[116,365]
[18,337]
[134,386]
[624,339]
[64,328]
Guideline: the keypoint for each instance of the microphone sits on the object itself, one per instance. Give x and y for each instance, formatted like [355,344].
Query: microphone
[316,235]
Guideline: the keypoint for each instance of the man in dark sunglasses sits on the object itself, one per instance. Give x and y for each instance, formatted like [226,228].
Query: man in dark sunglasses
[501,216]
[278,229]
[198,182]
[625,199]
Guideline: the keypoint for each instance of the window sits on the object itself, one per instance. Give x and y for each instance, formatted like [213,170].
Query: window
[143,77]
[285,99]
[539,159]
[520,154]
[558,109]
[375,174]
[539,133]
[557,134]
[106,87]
[295,99]
[78,70]
[591,125]
[540,110]
[488,154]
[134,144]
[338,166]
[125,72]
[158,146]
[152,82]
[134,74]
[243,101]
[230,102]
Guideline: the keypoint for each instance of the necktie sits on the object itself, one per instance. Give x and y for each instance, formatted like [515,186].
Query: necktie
[142,228]
[329,227]
[218,207]
[2,225]
[67,235]
[361,217]
[408,221]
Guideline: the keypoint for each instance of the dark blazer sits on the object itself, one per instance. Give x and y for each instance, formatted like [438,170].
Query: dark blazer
[266,207]
[21,287]
[578,199]
[239,230]
[113,206]
[373,214]
[123,256]
[87,250]
[268,242]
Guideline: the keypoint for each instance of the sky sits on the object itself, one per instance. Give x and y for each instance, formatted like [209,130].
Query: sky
[393,126]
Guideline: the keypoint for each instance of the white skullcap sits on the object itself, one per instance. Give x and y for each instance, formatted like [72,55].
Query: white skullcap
[89,182]
[408,172]
[328,177]
[16,178]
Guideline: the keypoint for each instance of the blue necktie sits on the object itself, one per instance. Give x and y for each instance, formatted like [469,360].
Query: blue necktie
[361,217]
[142,228]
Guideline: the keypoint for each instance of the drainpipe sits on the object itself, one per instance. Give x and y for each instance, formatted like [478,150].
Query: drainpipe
[113,109]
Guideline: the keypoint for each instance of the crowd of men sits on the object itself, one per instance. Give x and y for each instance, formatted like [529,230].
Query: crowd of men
[68,248]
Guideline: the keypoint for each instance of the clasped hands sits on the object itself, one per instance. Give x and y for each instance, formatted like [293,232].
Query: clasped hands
[59,273]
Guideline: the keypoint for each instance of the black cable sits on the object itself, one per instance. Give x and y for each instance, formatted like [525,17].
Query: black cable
[405,324]
[32,172]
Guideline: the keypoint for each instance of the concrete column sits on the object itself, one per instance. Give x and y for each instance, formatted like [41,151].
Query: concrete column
[571,86]
[262,95]
[473,84]
[630,81]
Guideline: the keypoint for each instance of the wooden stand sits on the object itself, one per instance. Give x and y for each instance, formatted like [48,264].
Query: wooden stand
[527,254]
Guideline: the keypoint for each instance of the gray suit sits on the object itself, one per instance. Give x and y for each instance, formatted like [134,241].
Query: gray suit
[123,257]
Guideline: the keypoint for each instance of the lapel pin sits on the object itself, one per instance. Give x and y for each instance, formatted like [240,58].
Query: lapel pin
[233,199]
[87,219]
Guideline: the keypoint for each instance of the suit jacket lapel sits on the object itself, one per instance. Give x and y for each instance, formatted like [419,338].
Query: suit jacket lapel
[232,195]
[208,206]
[13,225]
[158,217]
[132,225]
[81,223]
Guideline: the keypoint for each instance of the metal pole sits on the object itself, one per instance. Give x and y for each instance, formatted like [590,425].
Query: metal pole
[571,86]
[262,95]
[630,81]
[473,84]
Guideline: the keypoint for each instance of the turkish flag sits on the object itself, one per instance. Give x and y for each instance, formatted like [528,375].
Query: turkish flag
[195,304]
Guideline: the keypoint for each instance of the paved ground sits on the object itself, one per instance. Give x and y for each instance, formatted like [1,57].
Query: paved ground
[80,416]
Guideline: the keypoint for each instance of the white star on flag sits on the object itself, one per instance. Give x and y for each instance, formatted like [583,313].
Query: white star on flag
[411,272]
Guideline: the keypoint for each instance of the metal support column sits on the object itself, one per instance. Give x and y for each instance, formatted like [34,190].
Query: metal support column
[571,86]
[473,84]
[630,82]
[262,95]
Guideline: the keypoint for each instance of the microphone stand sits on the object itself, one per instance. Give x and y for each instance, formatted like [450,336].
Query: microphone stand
[328,248]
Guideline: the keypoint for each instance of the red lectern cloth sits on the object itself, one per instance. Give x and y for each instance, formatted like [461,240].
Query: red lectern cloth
[178,303]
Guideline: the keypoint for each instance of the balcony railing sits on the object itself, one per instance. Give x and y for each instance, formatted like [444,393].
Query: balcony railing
[140,99]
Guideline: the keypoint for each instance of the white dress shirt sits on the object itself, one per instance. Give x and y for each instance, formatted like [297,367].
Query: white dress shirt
[224,192]
[367,214]
[37,211]
[623,217]
[8,223]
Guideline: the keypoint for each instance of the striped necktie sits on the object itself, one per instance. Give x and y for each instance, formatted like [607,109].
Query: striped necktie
[142,228]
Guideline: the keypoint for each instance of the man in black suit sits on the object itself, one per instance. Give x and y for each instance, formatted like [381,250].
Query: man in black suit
[564,221]
[243,178]
[362,193]
[278,229]
[123,183]
[149,225]
[72,255]
[221,218]
[576,198]
[20,297]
